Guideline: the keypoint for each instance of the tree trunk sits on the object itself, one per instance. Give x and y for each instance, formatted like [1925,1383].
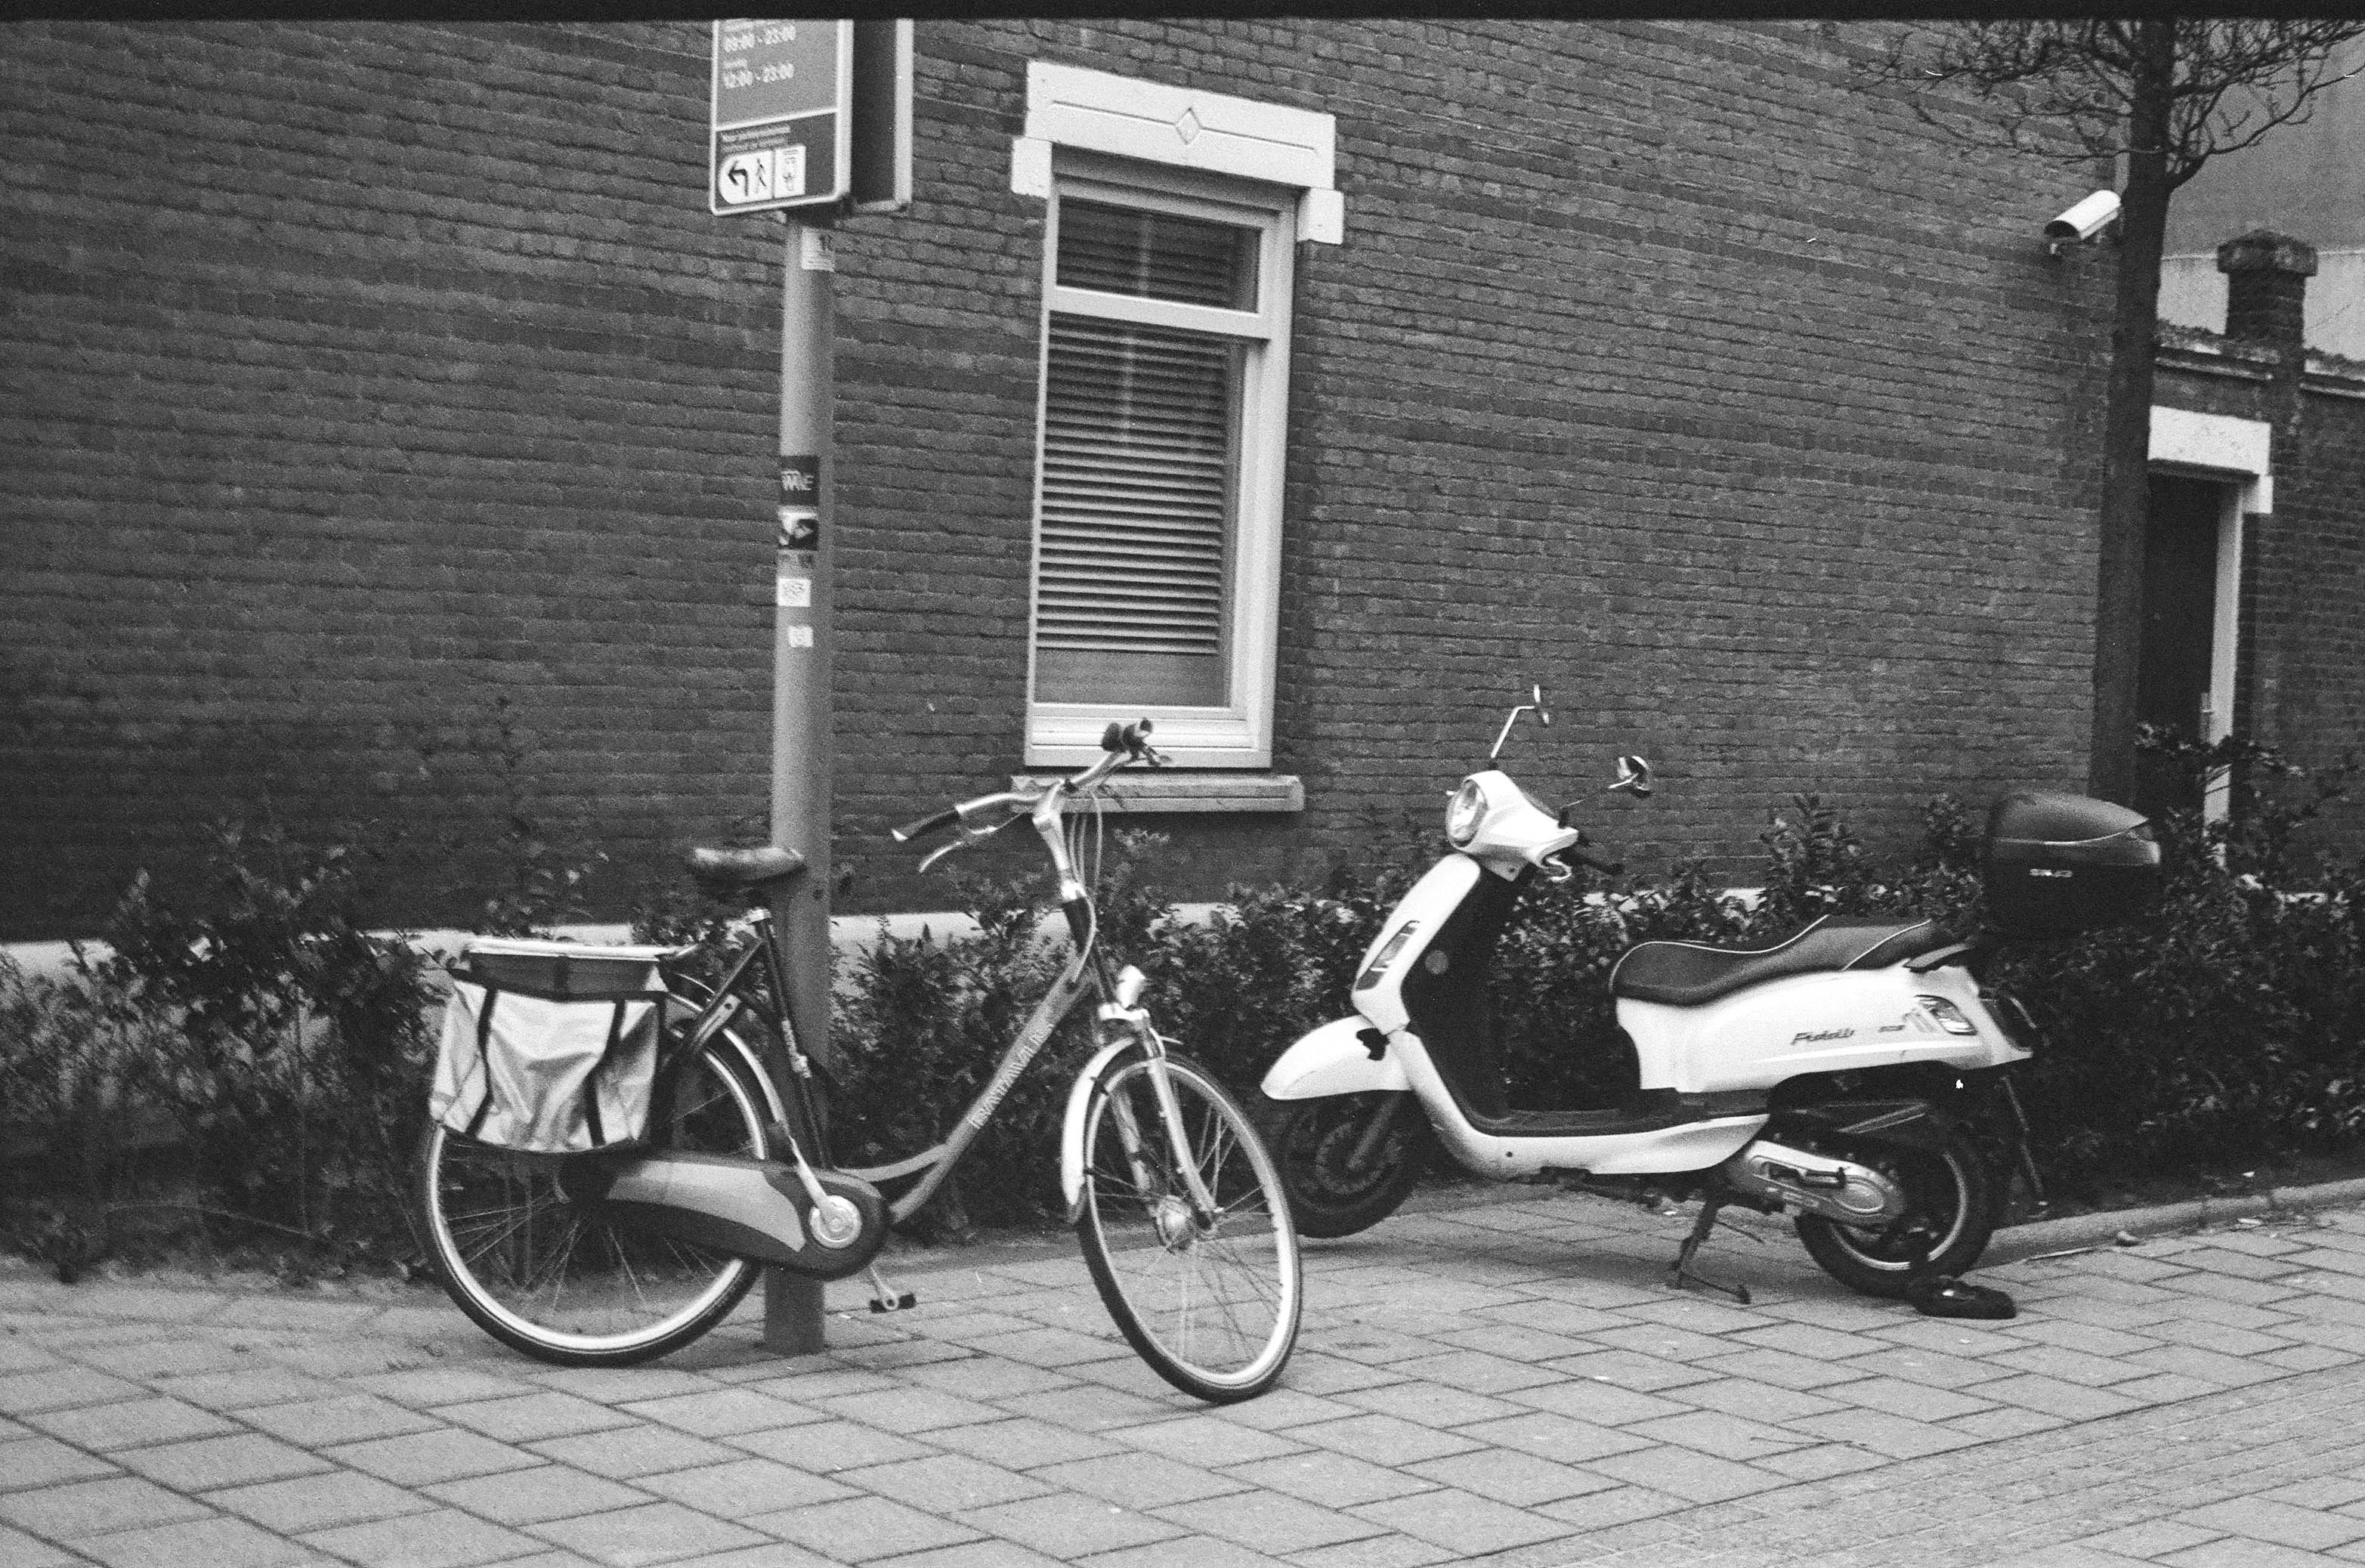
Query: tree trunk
[2126,429]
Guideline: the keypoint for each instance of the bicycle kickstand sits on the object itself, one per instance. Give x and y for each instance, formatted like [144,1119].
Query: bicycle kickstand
[887,1300]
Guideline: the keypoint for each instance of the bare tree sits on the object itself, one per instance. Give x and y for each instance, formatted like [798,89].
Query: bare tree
[2166,93]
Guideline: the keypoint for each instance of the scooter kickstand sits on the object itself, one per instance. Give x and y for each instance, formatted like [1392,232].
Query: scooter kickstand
[887,1300]
[1680,1273]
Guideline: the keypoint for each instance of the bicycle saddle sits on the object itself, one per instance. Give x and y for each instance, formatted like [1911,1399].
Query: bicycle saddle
[742,870]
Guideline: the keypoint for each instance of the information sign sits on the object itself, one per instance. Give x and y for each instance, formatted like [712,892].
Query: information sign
[782,115]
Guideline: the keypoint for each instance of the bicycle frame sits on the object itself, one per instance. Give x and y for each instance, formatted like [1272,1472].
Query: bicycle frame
[1124,1026]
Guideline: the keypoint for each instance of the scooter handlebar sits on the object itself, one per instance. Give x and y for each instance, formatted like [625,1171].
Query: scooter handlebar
[1606,867]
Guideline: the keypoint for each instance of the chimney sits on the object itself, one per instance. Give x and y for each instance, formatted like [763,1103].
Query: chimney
[2266,288]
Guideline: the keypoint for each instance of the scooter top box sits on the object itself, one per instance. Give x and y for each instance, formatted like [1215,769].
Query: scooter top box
[2058,865]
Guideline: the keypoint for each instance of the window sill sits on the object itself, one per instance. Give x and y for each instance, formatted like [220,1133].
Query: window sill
[1149,793]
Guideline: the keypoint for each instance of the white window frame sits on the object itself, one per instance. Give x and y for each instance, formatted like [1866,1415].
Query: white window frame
[2238,453]
[1211,155]
[1239,732]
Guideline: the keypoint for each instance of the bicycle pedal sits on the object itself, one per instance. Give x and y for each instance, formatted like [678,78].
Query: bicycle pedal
[903,1302]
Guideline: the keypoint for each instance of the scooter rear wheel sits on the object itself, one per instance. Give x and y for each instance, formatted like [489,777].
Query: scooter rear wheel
[1951,1210]
[1314,1143]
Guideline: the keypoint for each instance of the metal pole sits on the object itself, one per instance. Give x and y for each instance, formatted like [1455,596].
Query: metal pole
[801,752]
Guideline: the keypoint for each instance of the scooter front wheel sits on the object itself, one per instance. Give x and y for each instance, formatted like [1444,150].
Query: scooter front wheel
[1950,1212]
[1346,1161]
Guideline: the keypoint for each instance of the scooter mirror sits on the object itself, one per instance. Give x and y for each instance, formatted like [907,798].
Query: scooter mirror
[1543,714]
[1633,775]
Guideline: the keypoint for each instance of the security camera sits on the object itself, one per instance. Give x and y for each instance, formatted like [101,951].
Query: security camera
[2084,222]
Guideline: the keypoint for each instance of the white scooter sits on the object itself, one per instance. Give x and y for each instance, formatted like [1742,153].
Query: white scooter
[1852,1075]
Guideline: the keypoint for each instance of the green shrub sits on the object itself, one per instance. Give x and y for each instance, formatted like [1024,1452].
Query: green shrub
[284,1051]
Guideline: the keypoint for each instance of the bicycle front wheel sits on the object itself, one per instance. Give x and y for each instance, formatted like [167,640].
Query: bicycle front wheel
[548,1276]
[1210,1302]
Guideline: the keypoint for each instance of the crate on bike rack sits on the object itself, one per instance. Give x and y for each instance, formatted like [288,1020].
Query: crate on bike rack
[549,1048]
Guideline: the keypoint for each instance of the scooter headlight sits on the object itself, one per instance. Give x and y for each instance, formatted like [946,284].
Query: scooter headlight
[1465,812]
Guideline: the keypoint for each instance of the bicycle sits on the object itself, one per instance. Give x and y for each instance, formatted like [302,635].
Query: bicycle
[608,1259]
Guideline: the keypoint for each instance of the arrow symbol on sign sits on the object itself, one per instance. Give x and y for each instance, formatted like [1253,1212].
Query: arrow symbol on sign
[737,176]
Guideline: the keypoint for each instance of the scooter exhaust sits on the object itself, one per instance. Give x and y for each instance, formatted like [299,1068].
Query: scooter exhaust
[750,1208]
[1837,1190]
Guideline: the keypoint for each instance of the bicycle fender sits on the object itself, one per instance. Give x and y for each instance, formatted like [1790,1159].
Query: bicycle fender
[1071,1130]
[1334,1060]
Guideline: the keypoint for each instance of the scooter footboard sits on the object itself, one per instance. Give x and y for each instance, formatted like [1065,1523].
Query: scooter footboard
[1334,1059]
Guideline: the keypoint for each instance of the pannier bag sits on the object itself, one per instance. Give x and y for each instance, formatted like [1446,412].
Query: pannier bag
[549,1047]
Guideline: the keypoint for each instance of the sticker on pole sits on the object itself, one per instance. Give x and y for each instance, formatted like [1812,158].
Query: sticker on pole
[782,115]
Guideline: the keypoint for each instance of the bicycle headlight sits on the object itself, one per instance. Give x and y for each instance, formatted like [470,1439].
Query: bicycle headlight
[1465,812]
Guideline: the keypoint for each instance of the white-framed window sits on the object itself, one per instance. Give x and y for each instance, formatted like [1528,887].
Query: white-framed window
[1161,447]
[1172,217]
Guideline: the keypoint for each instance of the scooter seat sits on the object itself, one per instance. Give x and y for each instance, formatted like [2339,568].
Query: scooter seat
[1686,974]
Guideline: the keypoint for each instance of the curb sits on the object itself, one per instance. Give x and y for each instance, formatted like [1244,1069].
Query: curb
[2080,1233]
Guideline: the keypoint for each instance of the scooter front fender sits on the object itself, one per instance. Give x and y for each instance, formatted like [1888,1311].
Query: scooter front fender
[1333,1059]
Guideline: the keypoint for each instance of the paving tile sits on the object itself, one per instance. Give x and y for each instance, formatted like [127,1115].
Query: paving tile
[1385,1440]
[625,1453]
[1334,1480]
[1204,1440]
[1727,1437]
[1464,1522]
[1692,1475]
[948,1482]
[429,1387]
[1895,1436]
[527,1417]
[442,1538]
[18,1550]
[204,1464]
[2154,1538]
[248,1387]
[989,1553]
[531,1496]
[27,1463]
[1603,1403]
[653,1533]
[2054,1397]
[317,1502]
[131,1423]
[1555,1438]
[1269,1522]
[725,1412]
[1509,1476]
[1186,1552]
[820,1448]
[56,1388]
[442,1453]
[1139,1481]
[74,1510]
[861,1530]
[1021,1443]
[1388,1550]
[1920,1402]
[218,1541]
[1780,1368]
[2208,1365]
[1617,1506]
[2284,1524]
[1428,1402]
[317,1423]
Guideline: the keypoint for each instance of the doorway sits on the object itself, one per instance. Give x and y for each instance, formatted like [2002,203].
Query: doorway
[2178,683]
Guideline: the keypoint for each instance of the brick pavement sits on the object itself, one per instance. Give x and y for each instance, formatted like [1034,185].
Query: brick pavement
[1505,1380]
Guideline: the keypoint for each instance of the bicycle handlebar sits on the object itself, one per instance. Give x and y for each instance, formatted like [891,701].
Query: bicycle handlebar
[1123,744]
[923,826]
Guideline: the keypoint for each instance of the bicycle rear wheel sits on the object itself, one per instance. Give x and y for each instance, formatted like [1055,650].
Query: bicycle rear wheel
[1212,1308]
[546,1276]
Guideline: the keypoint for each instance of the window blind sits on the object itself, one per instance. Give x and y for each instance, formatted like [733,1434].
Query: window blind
[1138,458]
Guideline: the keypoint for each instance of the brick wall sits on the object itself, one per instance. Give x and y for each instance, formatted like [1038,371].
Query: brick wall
[359,376]
[1662,363]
